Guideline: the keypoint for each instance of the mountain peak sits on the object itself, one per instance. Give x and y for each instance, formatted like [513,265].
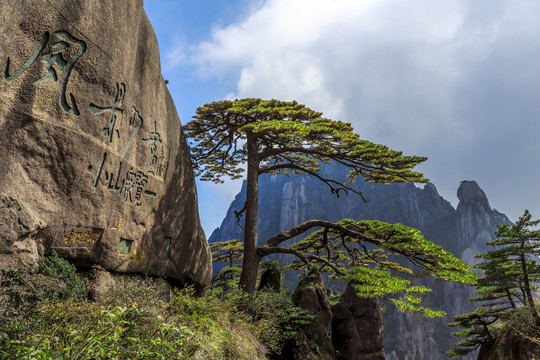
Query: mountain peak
[469,192]
[431,188]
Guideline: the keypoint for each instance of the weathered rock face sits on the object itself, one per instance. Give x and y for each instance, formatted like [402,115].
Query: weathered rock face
[93,159]
[349,330]
[313,341]
[477,221]
[509,346]
[462,231]
[357,327]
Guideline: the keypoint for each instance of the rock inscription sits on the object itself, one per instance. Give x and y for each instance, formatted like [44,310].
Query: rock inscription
[92,147]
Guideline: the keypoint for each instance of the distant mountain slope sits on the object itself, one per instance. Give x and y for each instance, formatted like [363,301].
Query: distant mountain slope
[287,201]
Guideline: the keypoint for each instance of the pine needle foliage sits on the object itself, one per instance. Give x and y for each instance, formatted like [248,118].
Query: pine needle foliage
[228,252]
[290,138]
[376,270]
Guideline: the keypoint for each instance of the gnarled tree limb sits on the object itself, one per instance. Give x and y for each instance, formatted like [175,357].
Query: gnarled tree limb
[265,250]
[310,224]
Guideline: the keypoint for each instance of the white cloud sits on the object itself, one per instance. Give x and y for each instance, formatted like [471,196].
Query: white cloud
[338,56]
[176,55]
[447,78]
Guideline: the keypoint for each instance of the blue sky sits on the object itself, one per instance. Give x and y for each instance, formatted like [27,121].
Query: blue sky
[457,81]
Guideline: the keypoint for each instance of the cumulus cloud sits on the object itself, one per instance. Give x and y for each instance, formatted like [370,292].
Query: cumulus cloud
[455,80]
[176,56]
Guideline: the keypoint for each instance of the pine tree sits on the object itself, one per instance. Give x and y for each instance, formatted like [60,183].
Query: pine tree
[376,270]
[478,328]
[277,137]
[519,245]
[509,272]
[229,252]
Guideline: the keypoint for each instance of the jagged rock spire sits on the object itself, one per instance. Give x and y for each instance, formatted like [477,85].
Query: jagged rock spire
[470,193]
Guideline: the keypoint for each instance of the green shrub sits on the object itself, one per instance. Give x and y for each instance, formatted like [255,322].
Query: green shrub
[85,330]
[130,322]
[273,316]
[57,267]
[22,289]
[207,327]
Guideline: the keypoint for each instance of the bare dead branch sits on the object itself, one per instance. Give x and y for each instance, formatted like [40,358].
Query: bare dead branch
[334,185]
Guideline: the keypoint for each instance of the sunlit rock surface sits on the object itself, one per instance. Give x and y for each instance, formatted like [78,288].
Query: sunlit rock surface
[93,160]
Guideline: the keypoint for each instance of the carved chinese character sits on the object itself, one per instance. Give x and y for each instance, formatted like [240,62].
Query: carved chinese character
[64,54]
[130,189]
[99,171]
[140,183]
[154,140]
[129,183]
[81,237]
[118,224]
[28,63]
[115,186]
[134,185]
[136,122]
[119,96]
[68,237]
[138,256]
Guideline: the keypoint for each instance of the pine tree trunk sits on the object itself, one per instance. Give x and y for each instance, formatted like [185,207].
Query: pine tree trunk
[530,299]
[231,263]
[250,265]
[510,298]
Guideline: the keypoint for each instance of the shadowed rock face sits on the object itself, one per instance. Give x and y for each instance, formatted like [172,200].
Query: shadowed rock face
[357,327]
[93,160]
[312,341]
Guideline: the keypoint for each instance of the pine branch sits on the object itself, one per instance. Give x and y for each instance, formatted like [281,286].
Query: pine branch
[310,224]
[265,251]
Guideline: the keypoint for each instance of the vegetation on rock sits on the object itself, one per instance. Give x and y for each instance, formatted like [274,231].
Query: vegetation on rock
[130,322]
[505,290]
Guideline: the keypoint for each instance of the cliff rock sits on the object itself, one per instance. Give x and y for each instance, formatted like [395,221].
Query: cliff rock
[357,327]
[510,346]
[477,221]
[93,160]
[313,341]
